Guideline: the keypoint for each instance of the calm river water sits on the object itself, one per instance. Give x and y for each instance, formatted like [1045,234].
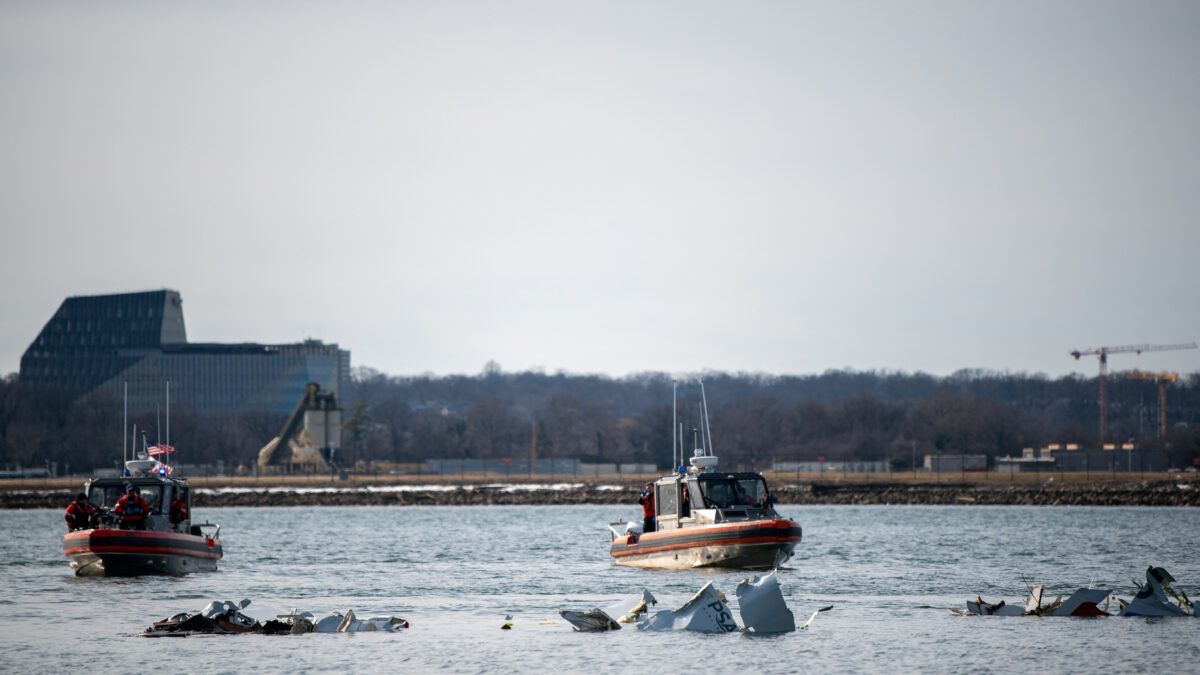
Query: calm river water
[455,572]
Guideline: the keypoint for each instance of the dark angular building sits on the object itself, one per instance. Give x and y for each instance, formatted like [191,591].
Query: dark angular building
[101,342]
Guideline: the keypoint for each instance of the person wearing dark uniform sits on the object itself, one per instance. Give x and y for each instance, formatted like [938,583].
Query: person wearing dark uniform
[132,510]
[80,513]
[647,502]
[179,511]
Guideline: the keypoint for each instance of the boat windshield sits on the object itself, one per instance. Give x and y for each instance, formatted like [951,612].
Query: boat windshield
[153,496]
[726,491]
[106,496]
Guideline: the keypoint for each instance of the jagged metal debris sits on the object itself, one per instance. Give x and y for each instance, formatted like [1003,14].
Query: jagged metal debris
[1151,600]
[626,610]
[705,612]
[760,604]
[814,615]
[1083,602]
[220,617]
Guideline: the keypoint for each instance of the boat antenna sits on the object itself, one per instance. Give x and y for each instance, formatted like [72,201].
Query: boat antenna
[707,428]
[157,421]
[682,459]
[125,425]
[168,420]
[674,439]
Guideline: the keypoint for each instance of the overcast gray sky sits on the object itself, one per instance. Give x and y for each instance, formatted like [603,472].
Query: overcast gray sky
[615,187]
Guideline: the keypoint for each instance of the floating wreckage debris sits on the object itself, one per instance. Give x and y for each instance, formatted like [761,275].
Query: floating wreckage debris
[1083,602]
[760,603]
[762,607]
[222,618]
[1151,600]
[706,612]
[626,610]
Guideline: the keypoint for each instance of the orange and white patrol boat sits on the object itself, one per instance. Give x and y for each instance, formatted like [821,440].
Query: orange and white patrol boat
[707,518]
[161,547]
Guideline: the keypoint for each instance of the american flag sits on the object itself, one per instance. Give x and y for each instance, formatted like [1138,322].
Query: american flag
[160,449]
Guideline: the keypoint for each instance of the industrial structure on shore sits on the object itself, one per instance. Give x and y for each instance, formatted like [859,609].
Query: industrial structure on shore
[1110,457]
[100,343]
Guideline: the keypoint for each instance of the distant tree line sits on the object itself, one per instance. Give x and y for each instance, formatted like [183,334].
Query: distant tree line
[756,419]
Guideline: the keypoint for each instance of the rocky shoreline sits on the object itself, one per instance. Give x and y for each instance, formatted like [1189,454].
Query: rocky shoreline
[1143,493]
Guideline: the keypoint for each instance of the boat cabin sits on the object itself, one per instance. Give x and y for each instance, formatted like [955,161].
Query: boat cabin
[157,490]
[685,500]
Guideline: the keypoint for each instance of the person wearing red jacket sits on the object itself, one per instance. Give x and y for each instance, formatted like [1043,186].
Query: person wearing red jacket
[179,510]
[79,513]
[647,502]
[132,509]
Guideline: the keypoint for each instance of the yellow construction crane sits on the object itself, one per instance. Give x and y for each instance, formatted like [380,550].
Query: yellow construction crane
[1163,379]
[1103,353]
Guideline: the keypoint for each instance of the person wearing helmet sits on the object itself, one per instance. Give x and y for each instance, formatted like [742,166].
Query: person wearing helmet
[132,509]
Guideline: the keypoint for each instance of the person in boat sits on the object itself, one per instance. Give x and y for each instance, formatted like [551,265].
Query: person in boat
[647,502]
[80,513]
[132,509]
[179,511]
[741,497]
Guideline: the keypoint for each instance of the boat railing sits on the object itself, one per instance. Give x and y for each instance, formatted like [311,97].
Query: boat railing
[199,529]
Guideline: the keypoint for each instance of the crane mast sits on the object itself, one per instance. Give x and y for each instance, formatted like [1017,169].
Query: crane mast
[1103,353]
[1162,379]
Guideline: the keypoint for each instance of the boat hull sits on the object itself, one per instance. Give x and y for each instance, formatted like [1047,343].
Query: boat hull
[109,553]
[761,544]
